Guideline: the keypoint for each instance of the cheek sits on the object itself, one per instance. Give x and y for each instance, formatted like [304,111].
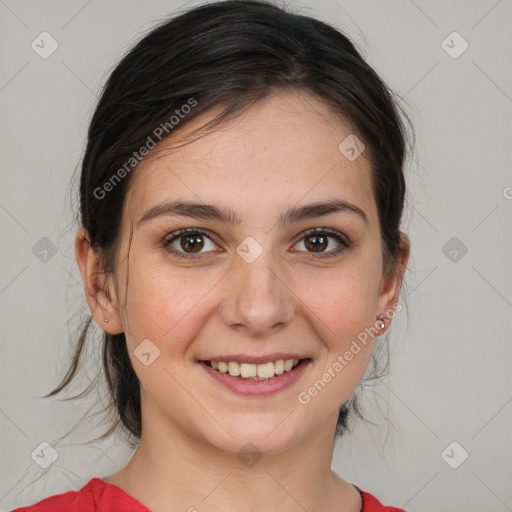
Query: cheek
[341,311]
[343,302]
[165,303]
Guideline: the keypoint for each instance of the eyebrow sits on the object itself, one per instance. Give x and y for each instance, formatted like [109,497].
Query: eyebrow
[228,216]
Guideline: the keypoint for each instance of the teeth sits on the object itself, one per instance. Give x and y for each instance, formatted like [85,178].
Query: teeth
[255,371]
[248,370]
[279,367]
[234,368]
[266,370]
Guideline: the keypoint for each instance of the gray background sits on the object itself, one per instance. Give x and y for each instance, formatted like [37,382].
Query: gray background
[451,362]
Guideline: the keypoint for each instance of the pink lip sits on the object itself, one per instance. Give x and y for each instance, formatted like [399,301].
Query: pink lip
[258,387]
[244,358]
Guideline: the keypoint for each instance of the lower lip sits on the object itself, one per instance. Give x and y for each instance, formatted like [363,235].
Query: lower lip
[247,387]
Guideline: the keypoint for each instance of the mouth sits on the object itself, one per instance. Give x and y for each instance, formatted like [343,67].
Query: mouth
[256,371]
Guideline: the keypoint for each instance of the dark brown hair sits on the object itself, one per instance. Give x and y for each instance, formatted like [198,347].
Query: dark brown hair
[229,54]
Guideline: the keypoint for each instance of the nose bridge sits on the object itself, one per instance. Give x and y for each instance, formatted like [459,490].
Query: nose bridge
[259,298]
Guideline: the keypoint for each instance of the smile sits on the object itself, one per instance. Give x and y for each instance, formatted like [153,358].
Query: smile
[262,371]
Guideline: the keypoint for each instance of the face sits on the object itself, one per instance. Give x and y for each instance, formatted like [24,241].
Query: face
[256,287]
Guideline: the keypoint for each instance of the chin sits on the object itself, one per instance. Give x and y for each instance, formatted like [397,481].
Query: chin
[262,436]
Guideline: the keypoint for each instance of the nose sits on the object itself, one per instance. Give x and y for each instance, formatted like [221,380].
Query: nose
[258,301]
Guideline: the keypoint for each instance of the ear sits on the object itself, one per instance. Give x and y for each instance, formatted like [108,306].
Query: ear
[392,282]
[99,287]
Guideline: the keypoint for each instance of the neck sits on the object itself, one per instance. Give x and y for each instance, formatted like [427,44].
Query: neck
[172,470]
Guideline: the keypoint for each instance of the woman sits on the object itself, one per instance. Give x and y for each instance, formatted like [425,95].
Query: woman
[240,204]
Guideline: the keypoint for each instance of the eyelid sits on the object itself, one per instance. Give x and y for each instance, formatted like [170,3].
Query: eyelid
[325,230]
[343,241]
[175,235]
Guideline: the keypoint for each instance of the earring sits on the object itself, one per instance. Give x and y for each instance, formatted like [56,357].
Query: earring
[381,324]
[106,320]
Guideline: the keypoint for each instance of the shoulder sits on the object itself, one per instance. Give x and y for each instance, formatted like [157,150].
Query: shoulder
[70,500]
[372,504]
[95,495]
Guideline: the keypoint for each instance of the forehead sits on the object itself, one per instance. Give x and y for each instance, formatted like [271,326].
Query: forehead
[282,151]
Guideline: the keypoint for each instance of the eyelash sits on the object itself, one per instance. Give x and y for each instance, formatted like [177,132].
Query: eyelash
[332,233]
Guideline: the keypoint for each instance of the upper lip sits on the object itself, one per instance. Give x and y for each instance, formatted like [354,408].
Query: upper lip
[244,358]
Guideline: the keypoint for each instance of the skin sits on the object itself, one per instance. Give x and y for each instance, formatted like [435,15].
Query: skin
[281,153]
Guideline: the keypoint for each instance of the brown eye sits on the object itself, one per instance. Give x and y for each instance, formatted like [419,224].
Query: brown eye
[316,243]
[194,243]
[317,240]
[188,243]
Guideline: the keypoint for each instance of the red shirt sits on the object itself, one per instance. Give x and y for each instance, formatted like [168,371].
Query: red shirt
[100,496]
